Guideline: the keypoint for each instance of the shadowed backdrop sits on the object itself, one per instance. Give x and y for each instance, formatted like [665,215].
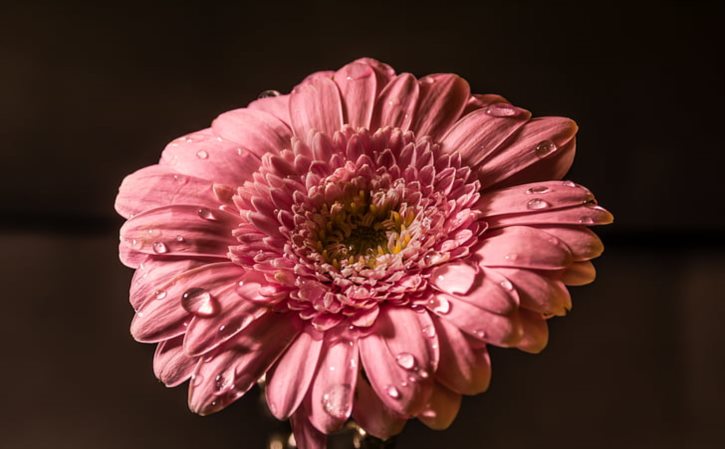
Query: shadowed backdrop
[91,92]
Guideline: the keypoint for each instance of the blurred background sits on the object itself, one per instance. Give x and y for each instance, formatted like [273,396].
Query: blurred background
[90,92]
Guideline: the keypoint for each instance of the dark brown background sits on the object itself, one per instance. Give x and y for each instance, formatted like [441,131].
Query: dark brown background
[91,92]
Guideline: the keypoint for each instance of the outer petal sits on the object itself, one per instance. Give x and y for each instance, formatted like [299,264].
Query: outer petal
[479,133]
[478,101]
[256,131]
[525,247]
[154,273]
[316,105]
[538,291]
[532,198]
[397,360]
[373,415]
[357,84]
[225,376]
[588,214]
[500,330]
[290,379]
[180,230]
[306,436]
[157,186]
[465,366]
[579,273]
[205,155]
[486,289]
[528,149]
[396,104]
[536,332]
[277,106]
[171,364]
[383,72]
[442,408]
[331,393]
[583,243]
[164,318]
[442,100]
[238,310]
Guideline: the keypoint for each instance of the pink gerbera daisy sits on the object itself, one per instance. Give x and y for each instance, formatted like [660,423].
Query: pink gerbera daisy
[359,241]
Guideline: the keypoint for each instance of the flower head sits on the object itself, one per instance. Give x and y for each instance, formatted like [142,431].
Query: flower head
[360,242]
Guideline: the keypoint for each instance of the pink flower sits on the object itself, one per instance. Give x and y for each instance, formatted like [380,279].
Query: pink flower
[360,241]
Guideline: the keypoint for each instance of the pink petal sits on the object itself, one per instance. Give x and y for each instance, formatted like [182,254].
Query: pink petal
[535,334]
[587,214]
[442,100]
[155,273]
[373,415]
[539,292]
[306,436]
[357,84]
[396,104]
[290,379]
[529,148]
[331,393]
[579,273]
[180,230]
[555,166]
[171,365]
[465,366]
[383,72]
[316,105]
[224,377]
[500,330]
[478,101]
[478,134]
[205,155]
[525,247]
[583,243]
[157,186]
[397,360]
[277,106]
[486,289]
[455,278]
[442,408]
[162,319]
[532,198]
[238,310]
[253,130]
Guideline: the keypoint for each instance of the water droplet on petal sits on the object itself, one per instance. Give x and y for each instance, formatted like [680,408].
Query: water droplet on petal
[537,204]
[439,305]
[200,302]
[224,382]
[160,248]
[268,93]
[511,256]
[423,374]
[405,360]
[501,110]
[429,331]
[202,154]
[180,239]
[393,392]
[480,333]
[507,284]
[206,214]
[569,183]
[545,148]
[337,401]
[537,189]
[160,294]
[586,220]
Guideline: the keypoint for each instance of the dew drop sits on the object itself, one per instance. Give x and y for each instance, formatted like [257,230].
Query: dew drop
[160,248]
[507,284]
[180,239]
[537,189]
[405,360]
[223,382]
[206,214]
[480,333]
[235,325]
[393,392]
[202,154]
[545,148]
[153,232]
[423,374]
[337,401]
[160,294]
[586,220]
[429,331]
[501,110]
[439,305]
[200,302]
[268,93]
[569,183]
[537,204]
[511,256]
